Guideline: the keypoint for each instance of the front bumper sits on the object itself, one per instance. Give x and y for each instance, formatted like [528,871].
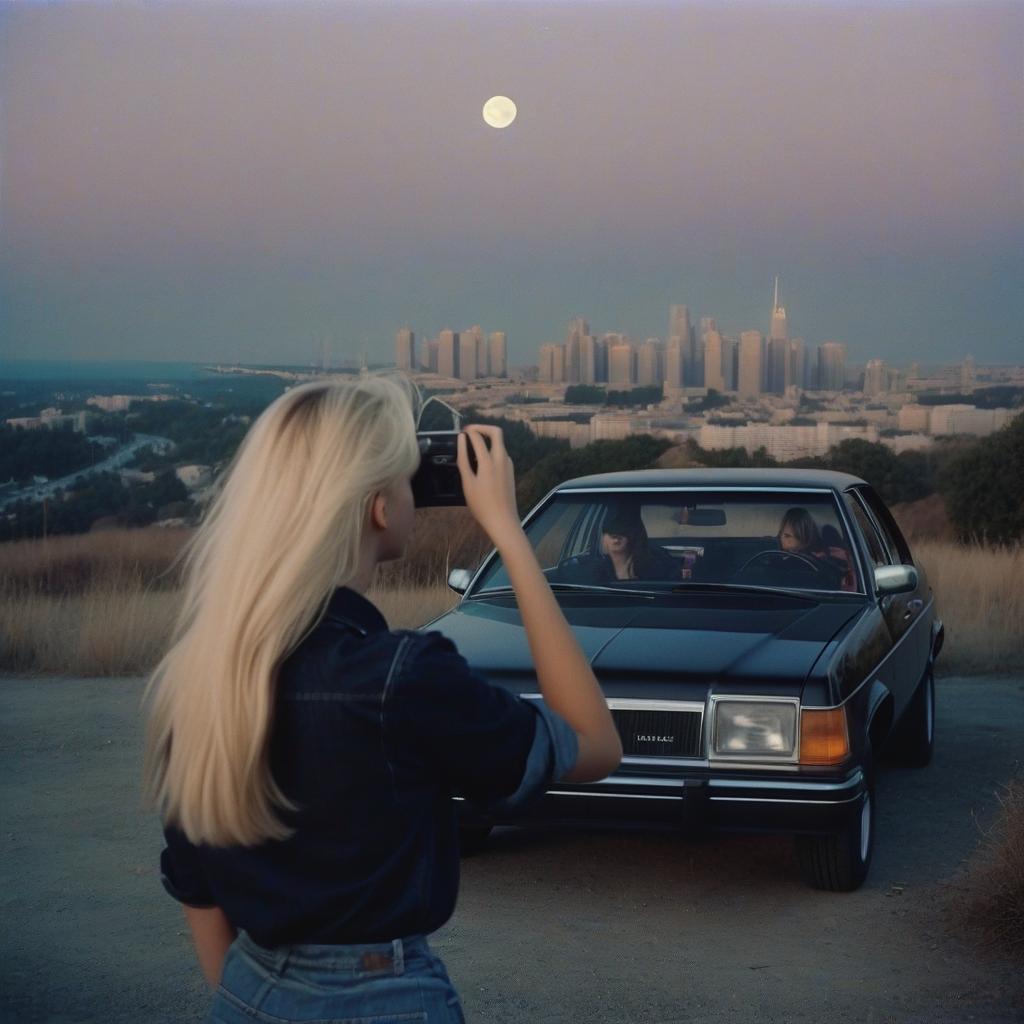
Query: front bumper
[692,801]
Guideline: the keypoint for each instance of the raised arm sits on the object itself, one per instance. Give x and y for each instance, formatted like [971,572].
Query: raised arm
[564,674]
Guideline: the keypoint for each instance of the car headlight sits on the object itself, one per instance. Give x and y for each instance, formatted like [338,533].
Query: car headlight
[754,728]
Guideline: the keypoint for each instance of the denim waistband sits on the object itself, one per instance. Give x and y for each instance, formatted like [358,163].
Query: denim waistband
[361,958]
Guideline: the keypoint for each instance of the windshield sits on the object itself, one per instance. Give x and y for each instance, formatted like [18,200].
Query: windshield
[681,539]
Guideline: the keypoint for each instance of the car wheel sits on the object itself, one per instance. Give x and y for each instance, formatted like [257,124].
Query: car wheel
[914,738]
[840,862]
[473,839]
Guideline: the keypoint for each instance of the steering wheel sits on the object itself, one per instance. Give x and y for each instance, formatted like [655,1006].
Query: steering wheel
[816,565]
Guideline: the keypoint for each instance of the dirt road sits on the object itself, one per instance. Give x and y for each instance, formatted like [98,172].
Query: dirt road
[551,926]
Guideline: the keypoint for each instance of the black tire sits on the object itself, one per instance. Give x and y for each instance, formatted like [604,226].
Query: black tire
[913,740]
[840,862]
[473,839]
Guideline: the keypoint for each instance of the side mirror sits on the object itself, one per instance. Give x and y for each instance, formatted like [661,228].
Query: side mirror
[459,580]
[895,579]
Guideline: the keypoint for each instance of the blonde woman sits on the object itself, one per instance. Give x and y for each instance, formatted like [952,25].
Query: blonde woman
[304,756]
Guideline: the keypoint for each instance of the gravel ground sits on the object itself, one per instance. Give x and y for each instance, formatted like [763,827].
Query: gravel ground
[551,925]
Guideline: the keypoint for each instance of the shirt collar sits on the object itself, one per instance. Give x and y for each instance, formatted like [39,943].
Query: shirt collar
[352,609]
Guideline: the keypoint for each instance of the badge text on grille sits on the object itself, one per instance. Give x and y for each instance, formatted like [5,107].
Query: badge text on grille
[640,738]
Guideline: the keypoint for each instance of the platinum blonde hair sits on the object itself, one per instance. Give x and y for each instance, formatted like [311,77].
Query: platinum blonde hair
[284,530]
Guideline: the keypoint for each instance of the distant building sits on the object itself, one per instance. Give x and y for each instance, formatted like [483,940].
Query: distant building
[875,378]
[470,346]
[831,366]
[589,360]
[448,354]
[552,364]
[675,363]
[717,362]
[782,442]
[648,357]
[621,364]
[405,349]
[750,381]
[498,354]
[679,326]
[428,355]
[968,374]
[50,418]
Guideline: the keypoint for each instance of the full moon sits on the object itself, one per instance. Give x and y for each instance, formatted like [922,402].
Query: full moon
[499,111]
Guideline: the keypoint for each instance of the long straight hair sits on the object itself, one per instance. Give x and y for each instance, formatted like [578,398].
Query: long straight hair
[284,530]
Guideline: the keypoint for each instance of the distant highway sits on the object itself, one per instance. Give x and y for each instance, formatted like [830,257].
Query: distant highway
[120,458]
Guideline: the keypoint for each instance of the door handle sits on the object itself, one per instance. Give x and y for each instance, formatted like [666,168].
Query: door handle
[913,607]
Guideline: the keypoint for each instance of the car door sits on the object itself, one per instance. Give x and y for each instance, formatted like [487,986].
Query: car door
[918,611]
[897,609]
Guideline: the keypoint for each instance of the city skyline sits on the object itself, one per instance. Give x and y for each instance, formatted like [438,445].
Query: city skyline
[317,176]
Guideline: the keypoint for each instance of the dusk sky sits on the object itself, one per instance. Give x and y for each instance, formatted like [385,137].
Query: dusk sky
[249,181]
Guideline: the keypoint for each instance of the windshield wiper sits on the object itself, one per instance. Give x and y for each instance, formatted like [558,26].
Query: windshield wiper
[737,588]
[560,588]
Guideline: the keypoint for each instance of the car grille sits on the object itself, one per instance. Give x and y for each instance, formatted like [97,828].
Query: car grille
[656,732]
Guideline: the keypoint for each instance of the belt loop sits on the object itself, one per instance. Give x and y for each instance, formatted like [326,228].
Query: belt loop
[282,954]
[398,951]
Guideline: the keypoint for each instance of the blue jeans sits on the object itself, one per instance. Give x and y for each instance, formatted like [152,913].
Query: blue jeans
[400,982]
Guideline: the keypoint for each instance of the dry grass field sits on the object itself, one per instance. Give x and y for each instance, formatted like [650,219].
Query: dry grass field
[104,603]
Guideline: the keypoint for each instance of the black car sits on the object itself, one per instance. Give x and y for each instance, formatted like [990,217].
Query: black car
[760,635]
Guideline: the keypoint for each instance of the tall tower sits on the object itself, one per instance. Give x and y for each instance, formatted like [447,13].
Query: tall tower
[831,366]
[779,331]
[679,326]
[751,364]
[498,353]
[448,353]
[405,349]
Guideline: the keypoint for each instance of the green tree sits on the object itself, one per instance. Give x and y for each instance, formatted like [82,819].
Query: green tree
[893,476]
[585,394]
[983,487]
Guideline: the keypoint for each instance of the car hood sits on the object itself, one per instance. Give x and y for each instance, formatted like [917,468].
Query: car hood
[718,639]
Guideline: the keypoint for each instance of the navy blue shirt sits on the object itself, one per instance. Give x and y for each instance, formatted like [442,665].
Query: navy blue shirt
[373,733]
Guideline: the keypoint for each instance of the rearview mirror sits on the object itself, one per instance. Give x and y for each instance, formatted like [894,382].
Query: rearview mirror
[895,579]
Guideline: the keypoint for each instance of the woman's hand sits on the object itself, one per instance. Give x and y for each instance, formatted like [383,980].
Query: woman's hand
[491,490]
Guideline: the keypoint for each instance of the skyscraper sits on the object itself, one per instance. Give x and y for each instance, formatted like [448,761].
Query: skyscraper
[428,355]
[448,353]
[469,353]
[875,377]
[577,330]
[674,363]
[498,353]
[405,349]
[648,369]
[679,326]
[831,366]
[717,369]
[589,360]
[620,363]
[751,364]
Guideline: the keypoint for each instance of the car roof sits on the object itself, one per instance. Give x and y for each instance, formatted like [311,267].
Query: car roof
[770,479]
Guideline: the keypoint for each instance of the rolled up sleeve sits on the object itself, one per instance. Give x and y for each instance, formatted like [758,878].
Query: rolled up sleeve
[552,756]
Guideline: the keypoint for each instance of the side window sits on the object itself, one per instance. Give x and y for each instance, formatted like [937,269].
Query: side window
[890,531]
[876,549]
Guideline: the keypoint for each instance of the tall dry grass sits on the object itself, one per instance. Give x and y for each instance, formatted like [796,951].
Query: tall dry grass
[979,595]
[104,604]
[992,902]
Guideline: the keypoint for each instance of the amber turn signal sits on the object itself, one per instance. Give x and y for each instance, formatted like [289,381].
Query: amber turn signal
[823,736]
